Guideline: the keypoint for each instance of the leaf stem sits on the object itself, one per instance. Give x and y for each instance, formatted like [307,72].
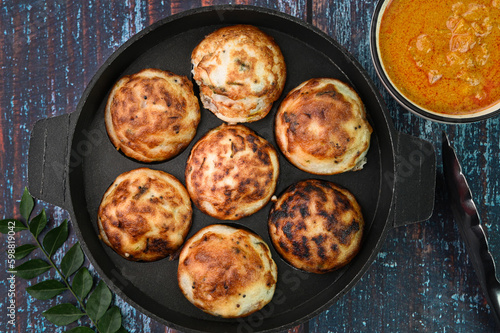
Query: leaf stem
[65,280]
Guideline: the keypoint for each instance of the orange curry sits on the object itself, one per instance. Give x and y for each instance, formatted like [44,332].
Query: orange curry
[443,55]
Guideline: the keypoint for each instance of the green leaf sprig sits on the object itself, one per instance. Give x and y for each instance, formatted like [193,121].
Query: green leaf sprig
[97,306]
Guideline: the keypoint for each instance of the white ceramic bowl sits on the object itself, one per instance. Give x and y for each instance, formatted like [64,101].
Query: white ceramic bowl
[399,96]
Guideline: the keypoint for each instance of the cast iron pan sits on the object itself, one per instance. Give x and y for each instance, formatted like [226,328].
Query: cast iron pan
[72,162]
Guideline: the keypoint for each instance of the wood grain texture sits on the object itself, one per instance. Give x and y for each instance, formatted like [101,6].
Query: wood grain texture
[422,280]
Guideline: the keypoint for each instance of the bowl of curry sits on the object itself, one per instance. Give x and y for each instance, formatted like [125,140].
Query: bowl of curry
[439,59]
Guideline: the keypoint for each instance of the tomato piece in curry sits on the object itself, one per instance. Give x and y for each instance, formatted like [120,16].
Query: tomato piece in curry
[444,55]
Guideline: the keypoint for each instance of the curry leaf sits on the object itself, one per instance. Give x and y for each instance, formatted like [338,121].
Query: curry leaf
[80,329]
[97,307]
[63,314]
[46,289]
[111,321]
[55,238]
[31,269]
[26,205]
[11,225]
[23,250]
[82,283]
[38,223]
[99,301]
[72,260]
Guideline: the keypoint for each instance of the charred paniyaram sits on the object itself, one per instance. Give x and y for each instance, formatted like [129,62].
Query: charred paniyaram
[241,72]
[145,215]
[321,127]
[152,115]
[316,226]
[231,172]
[227,272]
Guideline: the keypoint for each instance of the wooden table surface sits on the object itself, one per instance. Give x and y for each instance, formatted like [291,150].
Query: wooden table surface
[422,279]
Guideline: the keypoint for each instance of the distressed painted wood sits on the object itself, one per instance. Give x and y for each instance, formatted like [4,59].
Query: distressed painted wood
[422,280]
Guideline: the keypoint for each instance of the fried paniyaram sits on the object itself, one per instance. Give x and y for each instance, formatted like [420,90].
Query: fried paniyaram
[231,172]
[226,271]
[241,72]
[316,226]
[145,215]
[152,115]
[321,127]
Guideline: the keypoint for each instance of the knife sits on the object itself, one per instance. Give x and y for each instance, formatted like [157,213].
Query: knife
[469,224]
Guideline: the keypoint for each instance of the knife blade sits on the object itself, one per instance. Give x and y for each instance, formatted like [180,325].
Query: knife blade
[471,230]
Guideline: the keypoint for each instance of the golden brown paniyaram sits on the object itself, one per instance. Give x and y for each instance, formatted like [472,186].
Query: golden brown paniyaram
[241,72]
[316,226]
[227,272]
[152,115]
[321,127]
[145,215]
[231,172]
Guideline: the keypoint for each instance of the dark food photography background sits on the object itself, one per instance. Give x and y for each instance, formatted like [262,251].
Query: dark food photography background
[421,280]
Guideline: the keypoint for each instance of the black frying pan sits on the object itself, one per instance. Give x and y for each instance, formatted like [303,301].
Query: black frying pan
[72,162]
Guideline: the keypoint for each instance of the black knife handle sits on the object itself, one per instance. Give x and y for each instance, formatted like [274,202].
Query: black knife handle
[484,265]
[467,217]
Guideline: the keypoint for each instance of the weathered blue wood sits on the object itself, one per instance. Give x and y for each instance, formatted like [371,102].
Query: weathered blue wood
[422,280]
[50,52]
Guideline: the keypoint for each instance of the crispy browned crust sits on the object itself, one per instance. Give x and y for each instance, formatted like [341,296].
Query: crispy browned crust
[145,215]
[231,172]
[227,272]
[316,226]
[152,115]
[241,72]
[321,127]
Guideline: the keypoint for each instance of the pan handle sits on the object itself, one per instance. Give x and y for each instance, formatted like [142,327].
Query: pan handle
[415,180]
[48,159]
